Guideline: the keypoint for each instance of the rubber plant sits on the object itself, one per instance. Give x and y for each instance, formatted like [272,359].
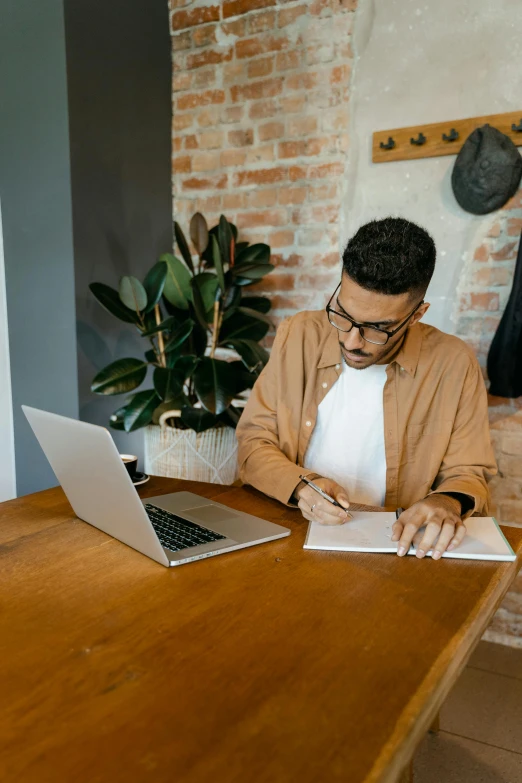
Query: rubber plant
[185,311]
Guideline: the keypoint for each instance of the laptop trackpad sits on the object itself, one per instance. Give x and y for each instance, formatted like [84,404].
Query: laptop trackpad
[211,515]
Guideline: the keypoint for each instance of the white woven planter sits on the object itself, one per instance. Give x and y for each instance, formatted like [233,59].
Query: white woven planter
[209,456]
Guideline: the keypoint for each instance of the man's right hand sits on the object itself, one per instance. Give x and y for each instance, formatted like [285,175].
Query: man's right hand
[316,509]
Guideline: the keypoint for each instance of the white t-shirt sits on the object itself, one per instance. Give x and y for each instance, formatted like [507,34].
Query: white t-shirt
[347,444]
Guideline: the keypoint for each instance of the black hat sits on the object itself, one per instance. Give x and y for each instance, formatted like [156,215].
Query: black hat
[487,171]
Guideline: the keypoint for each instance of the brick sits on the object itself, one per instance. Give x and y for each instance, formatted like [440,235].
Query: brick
[205,77]
[301,81]
[291,104]
[492,276]
[208,117]
[340,74]
[281,239]
[205,183]
[494,231]
[208,57]
[293,259]
[287,60]
[326,259]
[515,202]
[238,7]
[324,53]
[233,200]
[208,204]
[205,161]
[294,149]
[336,120]
[192,100]
[510,466]
[291,302]
[261,176]
[275,282]
[235,72]
[177,143]
[289,15]
[326,170]
[273,217]
[236,27]
[261,22]
[481,302]
[182,121]
[262,67]
[301,126]
[232,114]
[233,158]
[196,16]
[182,41]
[181,164]
[514,227]
[319,281]
[317,214]
[260,154]
[241,138]
[204,36]
[178,3]
[296,173]
[251,47]
[191,142]
[261,197]
[268,88]
[323,192]
[209,140]
[181,81]
[310,236]
[262,109]
[506,253]
[512,444]
[271,130]
[292,195]
[481,253]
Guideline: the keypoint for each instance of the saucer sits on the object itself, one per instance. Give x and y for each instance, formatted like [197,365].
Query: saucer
[140,478]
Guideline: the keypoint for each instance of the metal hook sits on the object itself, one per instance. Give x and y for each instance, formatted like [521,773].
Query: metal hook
[517,128]
[453,135]
[421,139]
[390,144]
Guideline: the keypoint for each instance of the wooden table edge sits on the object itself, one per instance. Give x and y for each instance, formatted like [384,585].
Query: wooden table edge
[421,711]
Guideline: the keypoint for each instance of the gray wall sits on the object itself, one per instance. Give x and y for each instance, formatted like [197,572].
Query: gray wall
[119,80]
[36,210]
[419,63]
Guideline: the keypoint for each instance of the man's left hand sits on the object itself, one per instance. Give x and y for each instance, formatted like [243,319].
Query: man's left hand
[440,514]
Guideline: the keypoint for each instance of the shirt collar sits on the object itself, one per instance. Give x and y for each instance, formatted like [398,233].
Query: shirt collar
[407,358]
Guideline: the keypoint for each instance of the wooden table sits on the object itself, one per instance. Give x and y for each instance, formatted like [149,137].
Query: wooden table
[266,665]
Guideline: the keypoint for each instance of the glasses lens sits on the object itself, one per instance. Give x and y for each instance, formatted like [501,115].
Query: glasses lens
[375,336]
[341,323]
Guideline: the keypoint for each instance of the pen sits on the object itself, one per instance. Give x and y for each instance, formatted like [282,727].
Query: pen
[323,493]
[398,512]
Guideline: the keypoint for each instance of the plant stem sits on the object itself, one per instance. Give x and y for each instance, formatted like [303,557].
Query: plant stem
[215,329]
[161,344]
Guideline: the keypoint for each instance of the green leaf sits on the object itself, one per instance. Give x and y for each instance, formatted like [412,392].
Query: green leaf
[168,383]
[185,365]
[151,356]
[254,356]
[250,271]
[183,246]
[242,327]
[207,283]
[197,300]
[218,265]
[231,416]
[177,285]
[260,303]
[120,377]
[214,384]
[255,314]
[164,326]
[232,296]
[198,419]
[179,335]
[199,233]
[244,379]
[111,301]
[224,239]
[132,293]
[140,409]
[154,284]
[259,252]
[116,419]
[199,340]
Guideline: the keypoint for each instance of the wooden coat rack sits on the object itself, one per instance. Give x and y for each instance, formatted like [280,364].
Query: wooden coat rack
[440,138]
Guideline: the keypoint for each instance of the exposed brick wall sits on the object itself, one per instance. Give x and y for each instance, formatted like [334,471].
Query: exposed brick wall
[483,293]
[260,130]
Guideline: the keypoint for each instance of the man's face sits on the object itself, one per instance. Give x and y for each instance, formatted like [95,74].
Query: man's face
[381,310]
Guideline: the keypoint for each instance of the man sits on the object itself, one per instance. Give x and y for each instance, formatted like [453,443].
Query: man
[372,405]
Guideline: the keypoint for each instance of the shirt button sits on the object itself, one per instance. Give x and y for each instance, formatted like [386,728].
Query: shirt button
[325,385]
[337,366]
[308,423]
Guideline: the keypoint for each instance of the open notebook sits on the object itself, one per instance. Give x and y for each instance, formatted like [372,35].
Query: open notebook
[370,531]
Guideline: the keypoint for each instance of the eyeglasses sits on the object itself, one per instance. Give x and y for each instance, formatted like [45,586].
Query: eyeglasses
[371,334]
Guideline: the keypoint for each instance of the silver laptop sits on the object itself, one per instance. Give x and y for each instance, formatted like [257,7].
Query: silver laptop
[171,529]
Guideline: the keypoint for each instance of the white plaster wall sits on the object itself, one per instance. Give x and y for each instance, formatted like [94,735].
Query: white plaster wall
[421,62]
[7,461]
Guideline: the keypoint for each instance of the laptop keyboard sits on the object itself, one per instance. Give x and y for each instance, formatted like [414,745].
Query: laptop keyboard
[176,533]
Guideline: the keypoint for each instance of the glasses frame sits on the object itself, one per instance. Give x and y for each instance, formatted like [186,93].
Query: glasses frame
[360,326]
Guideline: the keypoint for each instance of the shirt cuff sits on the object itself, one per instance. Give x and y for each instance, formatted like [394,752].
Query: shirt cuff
[475,501]
[287,487]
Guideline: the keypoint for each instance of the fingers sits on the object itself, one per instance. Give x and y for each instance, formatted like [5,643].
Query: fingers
[324,513]
[431,533]
[457,539]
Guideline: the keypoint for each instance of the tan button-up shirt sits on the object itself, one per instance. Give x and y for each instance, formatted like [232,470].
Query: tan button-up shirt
[436,427]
